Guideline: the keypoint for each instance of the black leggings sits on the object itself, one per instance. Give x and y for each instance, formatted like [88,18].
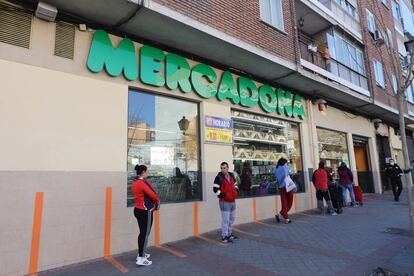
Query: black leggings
[144,218]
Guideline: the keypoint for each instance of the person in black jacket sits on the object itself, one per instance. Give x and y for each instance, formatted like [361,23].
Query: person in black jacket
[394,173]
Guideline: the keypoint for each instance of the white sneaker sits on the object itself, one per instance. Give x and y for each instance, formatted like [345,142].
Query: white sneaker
[143,262]
[146,256]
[334,214]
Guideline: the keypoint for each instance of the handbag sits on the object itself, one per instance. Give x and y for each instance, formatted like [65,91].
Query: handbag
[289,184]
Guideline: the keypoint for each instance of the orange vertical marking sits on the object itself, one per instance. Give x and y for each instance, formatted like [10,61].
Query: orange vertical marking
[254,209]
[295,200]
[37,223]
[276,205]
[108,220]
[195,218]
[311,195]
[156,228]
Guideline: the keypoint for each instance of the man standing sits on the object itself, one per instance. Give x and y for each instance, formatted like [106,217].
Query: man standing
[394,173]
[225,189]
[320,179]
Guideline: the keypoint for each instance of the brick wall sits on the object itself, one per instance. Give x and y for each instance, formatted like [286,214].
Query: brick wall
[383,19]
[241,19]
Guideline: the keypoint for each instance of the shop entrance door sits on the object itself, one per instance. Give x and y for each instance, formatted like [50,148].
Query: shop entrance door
[384,151]
[363,164]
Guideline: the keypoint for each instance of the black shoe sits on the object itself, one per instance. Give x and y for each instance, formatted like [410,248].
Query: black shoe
[277,217]
[232,237]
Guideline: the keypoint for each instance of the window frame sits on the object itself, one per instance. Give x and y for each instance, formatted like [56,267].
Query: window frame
[274,22]
[379,77]
[201,188]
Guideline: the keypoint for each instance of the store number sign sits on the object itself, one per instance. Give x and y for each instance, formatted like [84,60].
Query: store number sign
[218,130]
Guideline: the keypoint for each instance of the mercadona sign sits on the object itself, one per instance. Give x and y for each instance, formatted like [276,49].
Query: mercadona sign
[201,79]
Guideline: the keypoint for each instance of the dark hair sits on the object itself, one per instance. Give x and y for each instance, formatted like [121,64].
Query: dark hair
[321,165]
[343,165]
[224,163]
[140,169]
[281,162]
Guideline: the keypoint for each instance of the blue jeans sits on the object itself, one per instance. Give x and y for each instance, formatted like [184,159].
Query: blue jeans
[228,215]
[344,194]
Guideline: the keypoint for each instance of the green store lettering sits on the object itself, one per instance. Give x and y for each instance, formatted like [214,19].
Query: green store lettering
[173,71]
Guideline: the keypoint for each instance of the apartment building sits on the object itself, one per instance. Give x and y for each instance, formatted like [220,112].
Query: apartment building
[92,88]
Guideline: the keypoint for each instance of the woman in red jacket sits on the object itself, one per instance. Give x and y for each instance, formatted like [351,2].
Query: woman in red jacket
[146,201]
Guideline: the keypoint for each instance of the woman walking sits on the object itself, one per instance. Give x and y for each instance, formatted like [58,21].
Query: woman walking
[146,201]
[346,180]
[281,172]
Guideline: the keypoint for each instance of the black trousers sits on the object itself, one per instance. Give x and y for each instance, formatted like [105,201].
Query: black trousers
[144,219]
[396,188]
[321,194]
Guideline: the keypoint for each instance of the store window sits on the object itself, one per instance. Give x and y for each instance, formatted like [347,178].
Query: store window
[333,149]
[163,134]
[259,142]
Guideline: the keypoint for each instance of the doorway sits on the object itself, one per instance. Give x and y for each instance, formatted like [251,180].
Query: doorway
[363,164]
[384,152]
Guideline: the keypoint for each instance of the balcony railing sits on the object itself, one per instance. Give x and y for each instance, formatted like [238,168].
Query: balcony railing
[350,21]
[333,66]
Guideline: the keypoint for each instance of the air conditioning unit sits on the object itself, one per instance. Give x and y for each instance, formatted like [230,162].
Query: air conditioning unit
[378,37]
[312,48]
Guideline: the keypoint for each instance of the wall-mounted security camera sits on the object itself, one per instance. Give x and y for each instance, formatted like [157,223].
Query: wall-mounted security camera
[46,11]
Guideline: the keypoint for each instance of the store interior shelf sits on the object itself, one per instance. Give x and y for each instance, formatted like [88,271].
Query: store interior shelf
[259,140]
[257,121]
[329,144]
[252,159]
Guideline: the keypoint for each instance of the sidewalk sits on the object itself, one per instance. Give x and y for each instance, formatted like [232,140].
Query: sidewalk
[353,243]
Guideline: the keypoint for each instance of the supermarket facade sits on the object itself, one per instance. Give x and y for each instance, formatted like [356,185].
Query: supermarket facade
[76,128]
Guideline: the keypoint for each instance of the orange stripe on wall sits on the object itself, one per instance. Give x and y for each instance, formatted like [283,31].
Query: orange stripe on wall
[276,205]
[311,194]
[108,220]
[37,225]
[156,228]
[196,218]
[254,209]
[295,199]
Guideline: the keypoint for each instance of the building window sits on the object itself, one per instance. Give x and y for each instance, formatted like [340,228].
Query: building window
[271,12]
[372,27]
[394,84]
[333,149]
[384,2]
[407,17]
[396,12]
[163,134]
[259,142]
[388,40]
[347,60]
[379,74]
[409,93]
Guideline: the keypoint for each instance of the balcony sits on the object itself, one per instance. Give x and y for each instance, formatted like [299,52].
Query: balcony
[316,15]
[321,64]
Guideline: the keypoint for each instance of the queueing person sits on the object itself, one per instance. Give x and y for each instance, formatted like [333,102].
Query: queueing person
[226,190]
[320,180]
[286,198]
[394,173]
[346,180]
[146,201]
